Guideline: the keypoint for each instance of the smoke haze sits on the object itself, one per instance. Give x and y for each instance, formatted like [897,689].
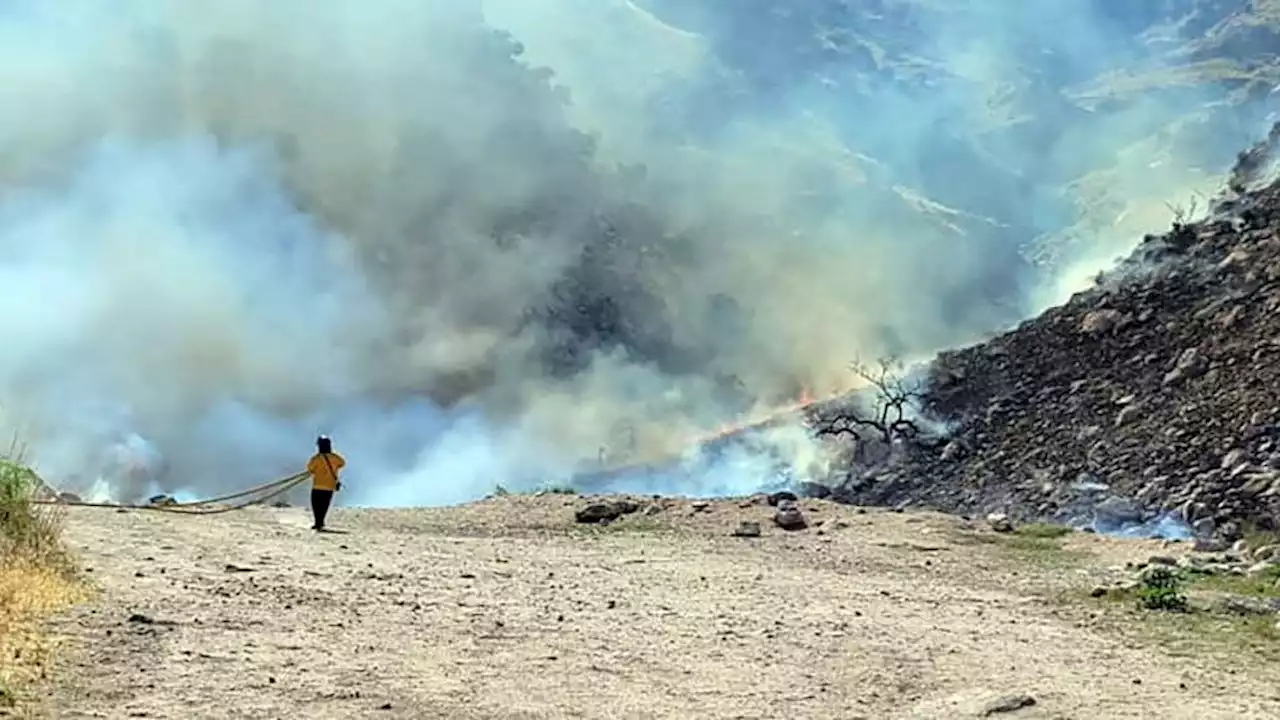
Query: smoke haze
[476,243]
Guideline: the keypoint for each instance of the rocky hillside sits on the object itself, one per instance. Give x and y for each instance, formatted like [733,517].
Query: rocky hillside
[1156,391]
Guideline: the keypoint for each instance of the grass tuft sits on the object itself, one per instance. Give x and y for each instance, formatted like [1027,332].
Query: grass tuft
[37,578]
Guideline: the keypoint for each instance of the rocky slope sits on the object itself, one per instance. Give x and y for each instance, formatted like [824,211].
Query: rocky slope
[1156,391]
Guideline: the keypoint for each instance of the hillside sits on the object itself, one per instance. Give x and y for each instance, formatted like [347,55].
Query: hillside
[1155,391]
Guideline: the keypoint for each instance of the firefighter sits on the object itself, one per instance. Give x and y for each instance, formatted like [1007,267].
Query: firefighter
[324,467]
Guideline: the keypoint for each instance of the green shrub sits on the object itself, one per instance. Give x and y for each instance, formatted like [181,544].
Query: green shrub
[1160,588]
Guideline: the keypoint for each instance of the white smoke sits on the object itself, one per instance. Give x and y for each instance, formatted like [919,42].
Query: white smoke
[227,227]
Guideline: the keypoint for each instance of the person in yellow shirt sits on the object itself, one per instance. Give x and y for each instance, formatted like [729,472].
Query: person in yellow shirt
[324,467]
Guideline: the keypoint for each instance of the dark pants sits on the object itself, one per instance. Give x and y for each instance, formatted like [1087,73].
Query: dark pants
[320,500]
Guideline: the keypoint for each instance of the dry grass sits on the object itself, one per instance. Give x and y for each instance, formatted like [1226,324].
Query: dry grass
[27,595]
[37,578]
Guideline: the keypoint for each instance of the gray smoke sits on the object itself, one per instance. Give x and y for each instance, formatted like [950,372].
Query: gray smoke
[476,243]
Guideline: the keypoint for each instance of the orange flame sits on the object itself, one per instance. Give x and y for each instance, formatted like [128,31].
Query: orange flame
[805,400]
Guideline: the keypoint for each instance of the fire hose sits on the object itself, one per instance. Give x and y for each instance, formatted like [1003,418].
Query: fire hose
[208,506]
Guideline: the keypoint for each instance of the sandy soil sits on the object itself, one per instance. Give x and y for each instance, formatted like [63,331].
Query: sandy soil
[506,609]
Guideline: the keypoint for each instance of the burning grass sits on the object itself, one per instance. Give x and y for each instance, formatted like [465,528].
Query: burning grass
[37,578]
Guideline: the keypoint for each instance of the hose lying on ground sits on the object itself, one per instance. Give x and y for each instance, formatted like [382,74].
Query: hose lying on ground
[208,506]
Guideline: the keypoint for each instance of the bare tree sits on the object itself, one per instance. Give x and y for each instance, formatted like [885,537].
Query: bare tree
[1182,233]
[894,400]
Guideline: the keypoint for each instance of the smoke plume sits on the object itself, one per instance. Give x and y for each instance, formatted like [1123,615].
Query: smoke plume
[476,243]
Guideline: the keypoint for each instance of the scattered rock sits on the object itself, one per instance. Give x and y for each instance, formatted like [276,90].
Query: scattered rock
[1249,606]
[775,499]
[747,529]
[1101,321]
[1204,527]
[1127,415]
[817,491]
[1007,704]
[1233,458]
[601,513]
[789,517]
[1230,531]
[1192,362]
[1260,568]
[1119,511]
[952,451]
[1210,545]
[1000,522]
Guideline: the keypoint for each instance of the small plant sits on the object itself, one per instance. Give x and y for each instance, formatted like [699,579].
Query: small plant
[27,530]
[37,577]
[1160,588]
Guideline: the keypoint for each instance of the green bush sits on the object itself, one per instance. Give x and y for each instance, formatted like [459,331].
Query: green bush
[1160,588]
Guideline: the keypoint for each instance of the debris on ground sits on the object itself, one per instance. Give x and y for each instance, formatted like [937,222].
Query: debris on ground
[1007,704]
[789,517]
[1000,522]
[604,512]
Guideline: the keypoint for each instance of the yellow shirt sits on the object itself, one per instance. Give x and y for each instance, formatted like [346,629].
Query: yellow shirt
[322,477]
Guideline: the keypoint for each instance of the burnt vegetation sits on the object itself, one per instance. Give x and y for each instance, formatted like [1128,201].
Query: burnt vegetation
[881,416]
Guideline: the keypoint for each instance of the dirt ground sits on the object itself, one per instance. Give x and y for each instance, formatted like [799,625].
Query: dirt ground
[507,609]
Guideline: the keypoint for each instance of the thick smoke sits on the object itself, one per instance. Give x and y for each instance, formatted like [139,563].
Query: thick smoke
[227,227]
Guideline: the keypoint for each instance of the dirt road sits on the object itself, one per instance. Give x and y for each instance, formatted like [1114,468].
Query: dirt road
[506,609]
